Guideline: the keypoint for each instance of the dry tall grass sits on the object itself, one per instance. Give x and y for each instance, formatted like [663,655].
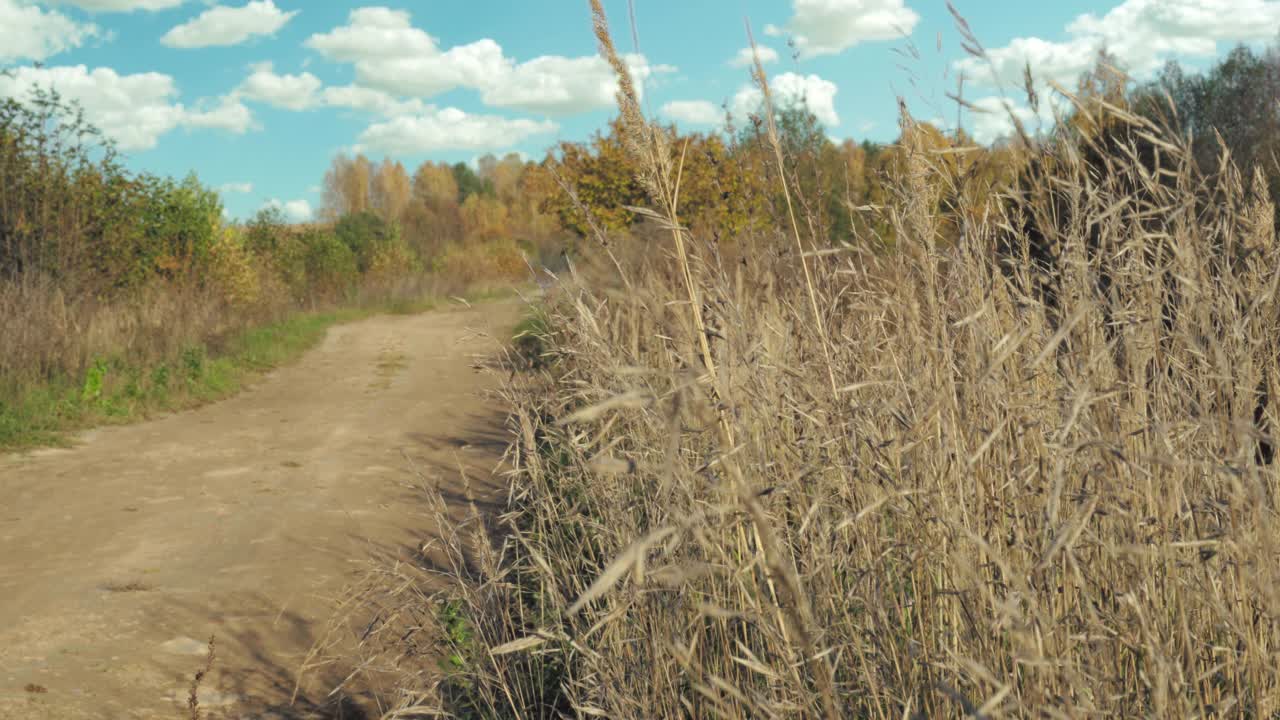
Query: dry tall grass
[1003,509]
[49,332]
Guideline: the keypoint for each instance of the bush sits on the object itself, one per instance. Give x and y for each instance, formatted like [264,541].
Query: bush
[232,270]
[499,261]
[176,226]
[332,267]
[266,231]
[70,211]
[57,199]
[393,259]
[484,219]
[289,262]
[365,234]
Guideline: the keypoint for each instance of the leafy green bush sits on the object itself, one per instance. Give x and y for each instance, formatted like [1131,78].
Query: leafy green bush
[365,234]
[231,270]
[180,222]
[469,183]
[290,262]
[265,231]
[60,187]
[70,211]
[331,265]
[532,340]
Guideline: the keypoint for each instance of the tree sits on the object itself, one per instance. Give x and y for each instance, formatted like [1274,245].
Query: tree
[812,169]
[602,177]
[1235,99]
[264,230]
[364,234]
[484,218]
[65,200]
[719,195]
[502,175]
[431,220]
[469,183]
[391,191]
[347,186]
[176,224]
[1238,99]
[434,185]
[533,188]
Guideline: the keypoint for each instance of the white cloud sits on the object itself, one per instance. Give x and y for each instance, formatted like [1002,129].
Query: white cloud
[373,32]
[993,117]
[221,25]
[134,110]
[448,129]
[1142,34]
[304,92]
[391,55]
[475,65]
[693,112]
[236,188]
[378,102]
[119,5]
[1061,62]
[817,93]
[35,34]
[563,86]
[745,58]
[828,27]
[230,115]
[292,92]
[294,210]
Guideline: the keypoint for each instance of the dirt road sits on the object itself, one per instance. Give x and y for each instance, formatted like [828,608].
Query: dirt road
[241,520]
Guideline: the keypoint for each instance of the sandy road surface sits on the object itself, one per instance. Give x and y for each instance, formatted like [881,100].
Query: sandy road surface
[121,556]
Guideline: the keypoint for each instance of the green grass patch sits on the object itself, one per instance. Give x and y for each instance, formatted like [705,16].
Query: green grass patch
[114,391]
[531,339]
[411,307]
[489,293]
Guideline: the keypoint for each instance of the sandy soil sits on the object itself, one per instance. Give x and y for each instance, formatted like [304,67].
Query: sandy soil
[243,520]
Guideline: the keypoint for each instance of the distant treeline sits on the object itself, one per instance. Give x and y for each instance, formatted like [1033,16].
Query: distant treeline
[841,187]
[462,221]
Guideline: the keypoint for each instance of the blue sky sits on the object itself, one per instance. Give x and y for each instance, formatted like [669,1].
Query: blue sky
[256,96]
